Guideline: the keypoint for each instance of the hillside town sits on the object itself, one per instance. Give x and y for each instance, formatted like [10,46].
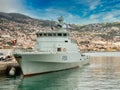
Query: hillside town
[92,37]
[88,41]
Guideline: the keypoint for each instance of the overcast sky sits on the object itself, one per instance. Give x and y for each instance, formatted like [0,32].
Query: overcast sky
[73,11]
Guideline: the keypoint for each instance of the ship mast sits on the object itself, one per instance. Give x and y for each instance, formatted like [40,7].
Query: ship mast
[60,23]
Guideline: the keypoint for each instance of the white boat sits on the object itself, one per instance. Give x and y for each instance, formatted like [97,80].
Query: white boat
[53,51]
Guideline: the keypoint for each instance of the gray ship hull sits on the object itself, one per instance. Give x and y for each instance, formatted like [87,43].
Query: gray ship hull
[33,64]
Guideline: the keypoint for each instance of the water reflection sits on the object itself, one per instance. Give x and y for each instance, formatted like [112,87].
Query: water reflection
[7,83]
[103,73]
[109,66]
[65,80]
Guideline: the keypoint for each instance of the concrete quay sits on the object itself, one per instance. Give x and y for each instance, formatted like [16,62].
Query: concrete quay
[7,61]
[5,65]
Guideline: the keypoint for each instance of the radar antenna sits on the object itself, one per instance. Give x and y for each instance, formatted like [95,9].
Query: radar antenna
[60,19]
[60,22]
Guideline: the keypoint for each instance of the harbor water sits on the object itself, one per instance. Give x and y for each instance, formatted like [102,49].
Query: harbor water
[103,73]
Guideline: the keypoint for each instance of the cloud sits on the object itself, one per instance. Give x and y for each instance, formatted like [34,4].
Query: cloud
[111,16]
[11,6]
[94,16]
[52,13]
[89,12]
[90,3]
[94,4]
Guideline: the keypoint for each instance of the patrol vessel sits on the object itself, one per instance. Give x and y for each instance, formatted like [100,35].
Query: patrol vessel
[54,51]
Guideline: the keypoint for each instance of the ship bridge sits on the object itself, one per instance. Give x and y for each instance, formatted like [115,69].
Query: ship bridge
[52,34]
[55,40]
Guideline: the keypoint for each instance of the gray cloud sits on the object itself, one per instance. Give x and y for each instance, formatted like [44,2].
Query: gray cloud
[11,6]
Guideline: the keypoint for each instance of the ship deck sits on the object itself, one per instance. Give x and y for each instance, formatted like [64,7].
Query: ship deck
[31,51]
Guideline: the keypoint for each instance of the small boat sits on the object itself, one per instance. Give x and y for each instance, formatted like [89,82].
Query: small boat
[54,51]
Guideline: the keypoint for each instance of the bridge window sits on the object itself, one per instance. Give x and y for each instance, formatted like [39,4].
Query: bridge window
[37,34]
[54,34]
[59,34]
[40,34]
[49,34]
[45,34]
[64,34]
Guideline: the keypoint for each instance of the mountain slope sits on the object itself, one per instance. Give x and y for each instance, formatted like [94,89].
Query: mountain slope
[20,18]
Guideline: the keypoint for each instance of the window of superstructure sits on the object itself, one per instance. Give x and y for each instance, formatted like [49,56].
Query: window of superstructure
[49,34]
[59,34]
[40,34]
[45,34]
[64,34]
[58,49]
[54,34]
[37,34]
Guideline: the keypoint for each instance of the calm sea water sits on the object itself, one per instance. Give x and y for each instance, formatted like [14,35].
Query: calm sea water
[103,73]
